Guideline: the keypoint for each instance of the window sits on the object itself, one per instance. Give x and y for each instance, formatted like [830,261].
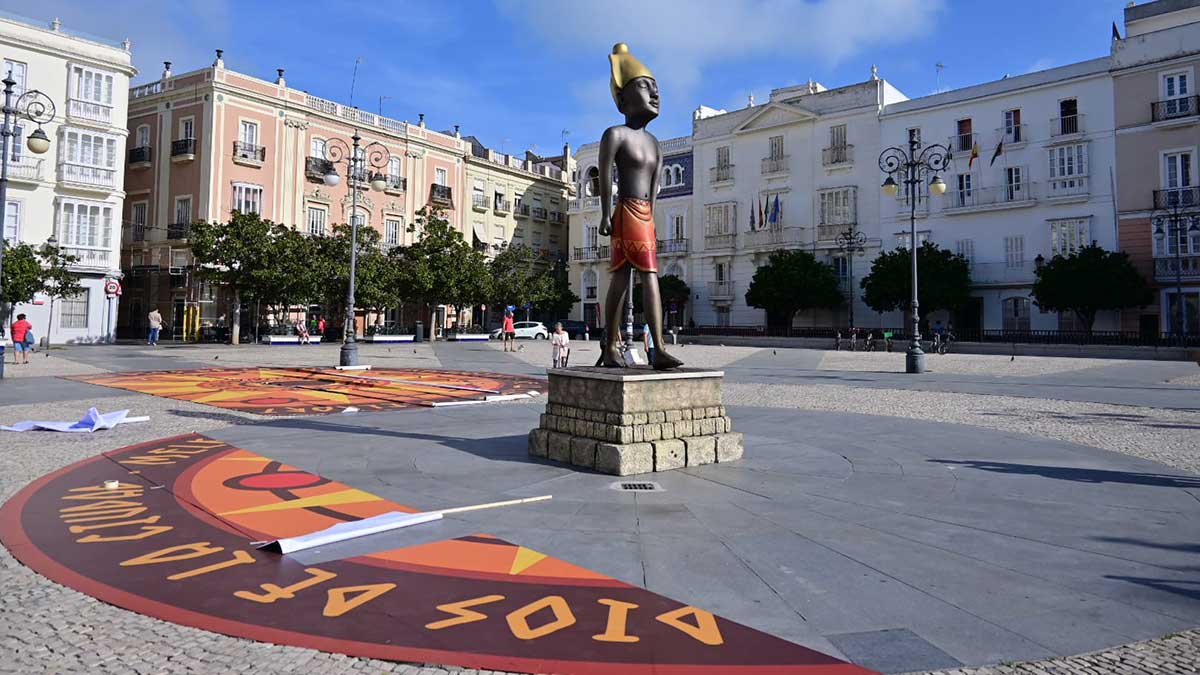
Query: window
[776,147]
[137,217]
[720,218]
[537,240]
[590,235]
[914,136]
[772,211]
[666,176]
[837,207]
[85,224]
[723,315]
[721,271]
[247,198]
[1016,314]
[1174,84]
[964,196]
[1014,187]
[837,136]
[183,210]
[1014,251]
[723,156]
[1177,170]
[143,136]
[965,139]
[391,231]
[248,133]
[1012,126]
[18,71]
[477,197]
[840,266]
[1068,166]
[966,249]
[318,148]
[588,281]
[1176,237]
[678,175]
[12,221]
[17,146]
[1068,117]
[360,218]
[73,311]
[187,129]
[317,217]
[439,176]
[1176,99]
[1068,235]
[676,228]
[394,168]
[91,149]
[92,85]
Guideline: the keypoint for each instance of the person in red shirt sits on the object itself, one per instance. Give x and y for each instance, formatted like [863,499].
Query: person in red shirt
[508,333]
[20,332]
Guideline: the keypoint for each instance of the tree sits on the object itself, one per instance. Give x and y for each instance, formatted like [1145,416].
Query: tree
[292,279]
[557,296]
[58,279]
[22,278]
[513,279]
[375,276]
[943,280]
[1090,280]
[792,281]
[441,268]
[237,254]
[671,289]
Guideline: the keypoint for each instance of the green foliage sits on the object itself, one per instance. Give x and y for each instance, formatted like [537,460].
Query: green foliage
[670,288]
[238,254]
[440,268]
[558,298]
[1090,280]
[375,278]
[58,279]
[943,280]
[22,274]
[792,281]
[514,280]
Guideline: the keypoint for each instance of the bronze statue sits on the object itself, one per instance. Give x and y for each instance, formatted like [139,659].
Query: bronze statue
[639,167]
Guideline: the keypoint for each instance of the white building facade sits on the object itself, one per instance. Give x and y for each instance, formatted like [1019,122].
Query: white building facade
[76,190]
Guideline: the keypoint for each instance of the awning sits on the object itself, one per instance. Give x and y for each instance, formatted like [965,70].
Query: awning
[480,231]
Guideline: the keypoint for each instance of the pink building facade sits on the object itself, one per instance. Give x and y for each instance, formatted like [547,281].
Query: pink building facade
[210,141]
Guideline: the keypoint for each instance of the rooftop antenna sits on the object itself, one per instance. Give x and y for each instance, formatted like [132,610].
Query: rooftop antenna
[565,133]
[354,79]
[381,100]
[939,66]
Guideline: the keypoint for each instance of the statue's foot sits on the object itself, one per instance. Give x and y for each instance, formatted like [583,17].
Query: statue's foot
[664,361]
[611,358]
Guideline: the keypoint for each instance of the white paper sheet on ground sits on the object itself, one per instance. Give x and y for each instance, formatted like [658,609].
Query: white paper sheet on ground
[93,420]
[342,531]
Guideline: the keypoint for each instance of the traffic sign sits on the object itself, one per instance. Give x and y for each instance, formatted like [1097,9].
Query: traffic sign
[112,287]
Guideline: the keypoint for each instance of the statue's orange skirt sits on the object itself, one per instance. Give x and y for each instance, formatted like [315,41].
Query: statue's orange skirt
[633,239]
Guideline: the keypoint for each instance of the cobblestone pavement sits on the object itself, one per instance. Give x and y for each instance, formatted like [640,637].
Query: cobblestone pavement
[962,364]
[47,628]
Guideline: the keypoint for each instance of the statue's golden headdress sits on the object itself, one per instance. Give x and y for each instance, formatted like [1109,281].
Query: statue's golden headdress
[625,67]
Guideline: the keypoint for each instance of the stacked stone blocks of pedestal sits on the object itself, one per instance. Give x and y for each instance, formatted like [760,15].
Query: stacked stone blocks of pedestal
[635,420]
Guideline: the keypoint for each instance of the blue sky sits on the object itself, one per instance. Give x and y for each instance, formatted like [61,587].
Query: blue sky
[517,72]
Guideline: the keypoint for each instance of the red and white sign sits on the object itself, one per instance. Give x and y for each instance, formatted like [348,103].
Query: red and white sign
[112,287]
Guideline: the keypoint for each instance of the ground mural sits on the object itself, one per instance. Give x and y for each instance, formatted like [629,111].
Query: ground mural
[308,391]
[172,540]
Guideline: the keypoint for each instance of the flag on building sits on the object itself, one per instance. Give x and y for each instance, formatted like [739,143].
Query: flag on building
[999,149]
[974,155]
[751,217]
[775,211]
[762,213]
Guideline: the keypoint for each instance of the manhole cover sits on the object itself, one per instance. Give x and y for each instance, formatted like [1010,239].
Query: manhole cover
[637,487]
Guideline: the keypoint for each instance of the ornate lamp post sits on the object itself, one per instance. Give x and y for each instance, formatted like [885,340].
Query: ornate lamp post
[911,168]
[358,160]
[1175,210]
[36,107]
[851,242]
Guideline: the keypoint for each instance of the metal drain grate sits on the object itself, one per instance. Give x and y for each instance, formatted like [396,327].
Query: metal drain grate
[637,487]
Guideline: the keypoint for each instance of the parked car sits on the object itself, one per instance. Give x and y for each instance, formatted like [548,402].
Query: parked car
[575,329]
[535,330]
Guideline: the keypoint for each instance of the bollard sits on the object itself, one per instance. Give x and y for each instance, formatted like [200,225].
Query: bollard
[419,335]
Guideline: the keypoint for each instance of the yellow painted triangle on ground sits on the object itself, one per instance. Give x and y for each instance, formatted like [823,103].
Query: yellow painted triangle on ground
[350,496]
[525,559]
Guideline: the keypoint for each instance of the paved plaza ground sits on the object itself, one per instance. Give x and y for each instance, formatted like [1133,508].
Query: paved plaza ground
[995,515]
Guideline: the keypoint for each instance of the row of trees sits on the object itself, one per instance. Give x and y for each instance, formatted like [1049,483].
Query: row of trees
[280,268]
[29,272]
[1086,282]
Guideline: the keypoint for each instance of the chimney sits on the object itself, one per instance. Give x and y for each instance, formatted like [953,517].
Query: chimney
[566,151]
[220,62]
[279,77]
[166,70]
[56,24]
[421,120]
[456,133]
[750,100]
[126,44]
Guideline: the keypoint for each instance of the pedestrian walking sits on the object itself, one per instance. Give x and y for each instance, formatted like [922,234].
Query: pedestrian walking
[560,346]
[508,333]
[155,320]
[853,339]
[22,337]
[302,332]
[837,342]
[321,326]
[648,342]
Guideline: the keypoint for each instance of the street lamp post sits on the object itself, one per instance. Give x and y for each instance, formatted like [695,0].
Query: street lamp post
[358,160]
[36,107]
[851,242]
[912,167]
[1173,212]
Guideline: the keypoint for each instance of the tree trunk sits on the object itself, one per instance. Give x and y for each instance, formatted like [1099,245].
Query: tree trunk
[235,330]
[1088,319]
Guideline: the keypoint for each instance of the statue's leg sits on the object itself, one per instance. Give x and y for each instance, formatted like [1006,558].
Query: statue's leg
[652,306]
[614,304]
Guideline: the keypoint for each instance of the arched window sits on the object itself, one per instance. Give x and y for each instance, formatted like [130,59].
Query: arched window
[588,283]
[592,188]
[666,176]
[678,170]
[1016,314]
[317,148]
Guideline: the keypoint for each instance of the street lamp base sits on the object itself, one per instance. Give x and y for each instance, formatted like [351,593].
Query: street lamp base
[914,360]
[349,354]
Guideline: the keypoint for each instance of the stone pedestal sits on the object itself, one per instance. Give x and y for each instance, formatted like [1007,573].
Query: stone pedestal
[635,420]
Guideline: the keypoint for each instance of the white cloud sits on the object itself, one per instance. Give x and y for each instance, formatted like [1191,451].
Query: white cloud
[1044,63]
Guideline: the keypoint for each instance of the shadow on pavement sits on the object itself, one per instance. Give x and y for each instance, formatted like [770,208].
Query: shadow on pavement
[1079,475]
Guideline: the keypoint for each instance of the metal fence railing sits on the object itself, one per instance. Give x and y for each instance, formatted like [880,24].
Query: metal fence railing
[1098,337]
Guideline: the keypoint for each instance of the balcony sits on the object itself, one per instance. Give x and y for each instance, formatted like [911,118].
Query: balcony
[479,202]
[539,213]
[772,165]
[989,198]
[1181,109]
[137,232]
[248,154]
[830,231]
[87,176]
[556,218]
[963,142]
[25,169]
[441,195]
[1185,197]
[904,207]
[1014,135]
[837,154]
[719,240]
[502,206]
[89,111]
[521,210]
[395,184]
[1067,125]
[1187,265]
[140,157]
[315,168]
[179,231]
[1067,186]
[183,150]
[720,174]
[1003,273]
[773,238]
[90,257]
[672,246]
[720,290]
[574,205]
[590,253]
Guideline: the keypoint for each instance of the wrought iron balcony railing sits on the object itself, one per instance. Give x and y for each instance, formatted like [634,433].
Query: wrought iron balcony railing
[183,147]
[441,194]
[1183,197]
[179,231]
[837,154]
[539,213]
[248,153]
[720,290]
[1187,265]
[590,253]
[1066,125]
[141,155]
[1175,108]
[720,173]
[395,183]
[775,164]
[315,168]
[672,246]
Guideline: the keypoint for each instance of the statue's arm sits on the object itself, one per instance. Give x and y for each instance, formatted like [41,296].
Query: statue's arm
[608,154]
[654,182]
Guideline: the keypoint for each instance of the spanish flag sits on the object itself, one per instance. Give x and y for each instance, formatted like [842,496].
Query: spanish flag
[974,155]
